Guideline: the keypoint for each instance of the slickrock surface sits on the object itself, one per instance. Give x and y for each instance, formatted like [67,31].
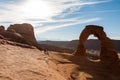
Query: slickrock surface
[20,63]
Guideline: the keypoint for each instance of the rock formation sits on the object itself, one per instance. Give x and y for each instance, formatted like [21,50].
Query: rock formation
[22,33]
[26,30]
[108,53]
[2,28]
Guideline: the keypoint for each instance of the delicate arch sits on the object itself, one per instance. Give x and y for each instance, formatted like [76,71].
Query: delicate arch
[107,53]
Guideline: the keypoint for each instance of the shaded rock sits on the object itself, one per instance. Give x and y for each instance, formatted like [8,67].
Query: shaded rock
[108,53]
[2,28]
[1,37]
[26,30]
[15,37]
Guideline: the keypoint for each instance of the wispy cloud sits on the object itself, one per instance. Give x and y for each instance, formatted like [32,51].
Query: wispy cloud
[48,28]
[115,37]
[91,12]
[13,8]
[74,6]
[10,11]
[14,11]
[66,7]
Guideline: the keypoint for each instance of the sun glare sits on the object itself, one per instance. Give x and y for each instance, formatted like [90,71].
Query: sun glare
[39,9]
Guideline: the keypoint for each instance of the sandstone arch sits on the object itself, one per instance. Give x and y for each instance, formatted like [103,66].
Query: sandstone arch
[108,53]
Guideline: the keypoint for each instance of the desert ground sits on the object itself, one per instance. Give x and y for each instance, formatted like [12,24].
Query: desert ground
[20,62]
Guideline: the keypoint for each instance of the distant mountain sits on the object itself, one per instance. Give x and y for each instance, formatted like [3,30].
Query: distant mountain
[91,44]
[56,48]
[64,44]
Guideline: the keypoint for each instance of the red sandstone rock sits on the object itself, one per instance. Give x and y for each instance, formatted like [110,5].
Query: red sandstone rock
[26,30]
[15,37]
[2,28]
[22,33]
[108,53]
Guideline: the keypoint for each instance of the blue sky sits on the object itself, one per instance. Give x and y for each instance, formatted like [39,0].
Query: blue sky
[64,19]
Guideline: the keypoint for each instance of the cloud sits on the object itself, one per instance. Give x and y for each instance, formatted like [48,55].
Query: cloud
[91,12]
[63,9]
[48,28]
[15,11]
[115,37]
[12,10]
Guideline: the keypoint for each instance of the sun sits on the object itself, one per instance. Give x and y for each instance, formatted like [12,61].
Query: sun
[39,9]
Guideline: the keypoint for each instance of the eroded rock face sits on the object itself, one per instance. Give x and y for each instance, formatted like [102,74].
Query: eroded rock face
[108,53]
[22,33]
[2,28]
[25,30]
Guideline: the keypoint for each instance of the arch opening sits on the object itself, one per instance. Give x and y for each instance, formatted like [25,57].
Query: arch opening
[92,46]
